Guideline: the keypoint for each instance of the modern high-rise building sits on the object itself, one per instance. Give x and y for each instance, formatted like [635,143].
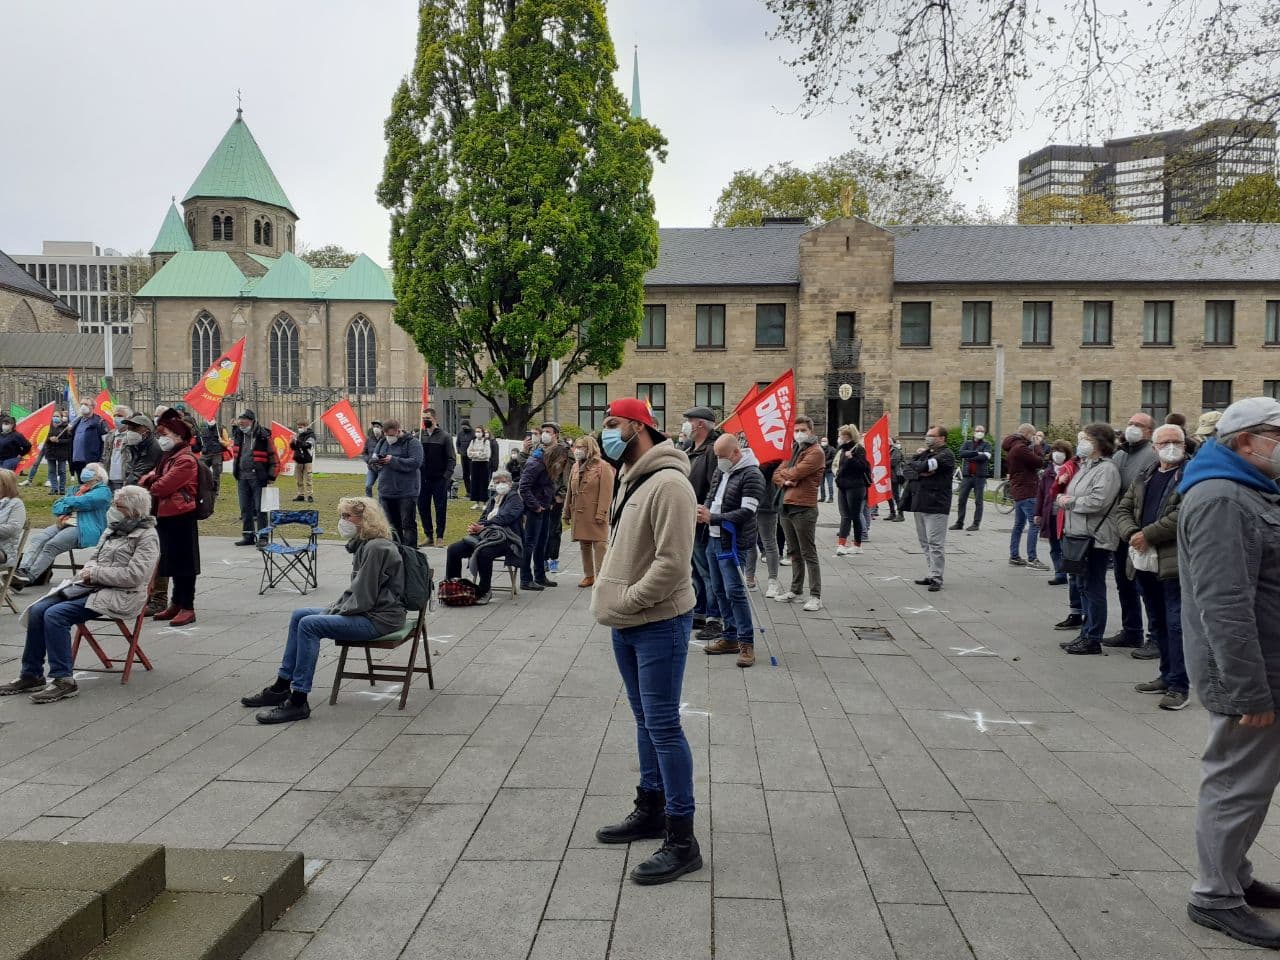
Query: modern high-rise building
[1164,177]
[94,282]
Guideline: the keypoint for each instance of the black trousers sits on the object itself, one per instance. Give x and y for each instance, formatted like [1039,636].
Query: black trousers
[434,492]
[399,511]
[978,486]
[250,493]
[479,470]
[184,592]
[555,527]
[485,555]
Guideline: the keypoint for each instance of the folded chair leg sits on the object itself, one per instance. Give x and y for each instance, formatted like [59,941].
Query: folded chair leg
[337,676]
[408,672]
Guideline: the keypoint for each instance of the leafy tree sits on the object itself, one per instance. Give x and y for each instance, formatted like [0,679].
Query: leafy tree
[329,255]
[853,184]
[1059,209]
[941,78]
[1254,199]
[521,218]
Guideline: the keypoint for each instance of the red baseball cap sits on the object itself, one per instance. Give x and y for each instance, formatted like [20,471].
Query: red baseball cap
[631,408]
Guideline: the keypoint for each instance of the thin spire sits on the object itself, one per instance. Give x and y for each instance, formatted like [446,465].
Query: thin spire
[239,105]
[635,83]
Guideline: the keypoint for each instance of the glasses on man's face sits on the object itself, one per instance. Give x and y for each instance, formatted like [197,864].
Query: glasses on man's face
[1169,443]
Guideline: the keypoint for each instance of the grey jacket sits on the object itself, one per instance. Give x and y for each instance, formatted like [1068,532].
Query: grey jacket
[1133,461]
[1096,490]
[1229,561]
[121,569]
[377,581]
[13,520]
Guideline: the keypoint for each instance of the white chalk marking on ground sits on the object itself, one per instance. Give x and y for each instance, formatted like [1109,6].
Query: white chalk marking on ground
[979,651]
[979,721]
[686,711]
[81,675]
[889,579]
[391,693]
[700,644]
[926,609]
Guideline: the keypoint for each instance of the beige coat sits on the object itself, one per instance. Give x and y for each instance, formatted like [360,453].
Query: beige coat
[121,567]
[587,501]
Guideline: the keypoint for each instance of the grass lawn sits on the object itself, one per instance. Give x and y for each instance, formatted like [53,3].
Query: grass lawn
[225,522]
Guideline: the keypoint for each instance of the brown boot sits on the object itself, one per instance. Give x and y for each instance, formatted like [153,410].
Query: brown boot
[746,654]
[721,645]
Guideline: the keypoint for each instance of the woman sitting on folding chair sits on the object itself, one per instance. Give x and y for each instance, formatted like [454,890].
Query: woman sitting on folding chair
[174,483]
[112,583]
[13,519]
[79,520]
[369,608]
[496,534]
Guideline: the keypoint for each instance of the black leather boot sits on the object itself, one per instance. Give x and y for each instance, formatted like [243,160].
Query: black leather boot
[676,857]
[645,822]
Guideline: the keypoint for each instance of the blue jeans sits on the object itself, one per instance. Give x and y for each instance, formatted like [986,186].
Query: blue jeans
[1024,516]
[369,479]
[1055,549]
[1130,605]
[49,635]
[57,476]
[866,519]
[730,591]
[1093,593]
[1163,600]
[651,659]
[1075,604]
[707,604]
[307,627]
[533,567]
[827,489]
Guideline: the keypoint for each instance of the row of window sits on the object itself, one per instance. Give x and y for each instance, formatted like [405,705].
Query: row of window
[593,401]
[916,329]
[224,228]
[709,326]
[283,349]
[1095,401]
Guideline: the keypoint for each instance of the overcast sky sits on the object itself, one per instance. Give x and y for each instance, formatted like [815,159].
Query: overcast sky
[111,108]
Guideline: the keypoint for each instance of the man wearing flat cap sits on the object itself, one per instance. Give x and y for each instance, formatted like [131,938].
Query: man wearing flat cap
[254,465]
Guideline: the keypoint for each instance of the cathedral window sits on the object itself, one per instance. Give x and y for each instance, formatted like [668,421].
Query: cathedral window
[257,231]
[217,227]
[206,344]
[362,356]
[227,232]
[289,235]
[284,353]
[266,232]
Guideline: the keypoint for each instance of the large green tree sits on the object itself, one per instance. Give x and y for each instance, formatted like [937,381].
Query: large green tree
[1254,199]
[328,255]
[852,183]
[522,224]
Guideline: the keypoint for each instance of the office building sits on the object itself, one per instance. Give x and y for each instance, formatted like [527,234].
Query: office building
[93,281]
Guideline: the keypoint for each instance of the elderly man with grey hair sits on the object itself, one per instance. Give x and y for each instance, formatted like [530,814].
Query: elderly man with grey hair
[1229,564]
[1135,457]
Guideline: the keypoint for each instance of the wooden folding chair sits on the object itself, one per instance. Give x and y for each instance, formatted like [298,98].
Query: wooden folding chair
[416,633]
[6,576]
[132,636]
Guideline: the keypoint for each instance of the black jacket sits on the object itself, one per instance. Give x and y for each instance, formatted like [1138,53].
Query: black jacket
[13,444]
[303,446]
[852,471]
[57,446]
[438,456]
[929,491]
[537,489]
[141,459]
[702,464]
[742,496]
[264,458]
[973,464]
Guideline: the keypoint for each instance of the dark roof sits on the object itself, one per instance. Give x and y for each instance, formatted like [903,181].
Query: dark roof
[720,256]
[1091,253]
[13,277]
[59,351]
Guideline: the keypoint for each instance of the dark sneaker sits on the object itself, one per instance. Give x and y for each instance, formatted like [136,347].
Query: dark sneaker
[1017,562]
[21,685]
[1036,565]
[711,631]
[1173,700]
[20,579]
[720,645]
[935,585]
[1152,686]
[1057,582]
[1074,621]
[645,822]
[923,582]
[971,528]
[1121,639]
[247,540]
[1148,651]
[267,698]
[958,525]
[678,855]
[1238,923]
[483,599]
[535,587]
[60,688]
[285,713]
[1066,643]
[1264,895]
[544,583]
[897,518]
[1083,648]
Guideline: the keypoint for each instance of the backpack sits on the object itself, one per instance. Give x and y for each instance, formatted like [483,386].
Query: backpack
[205,490]
[417,578]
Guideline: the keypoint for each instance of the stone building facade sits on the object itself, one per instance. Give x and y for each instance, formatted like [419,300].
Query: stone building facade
[1095,322]
[28,306]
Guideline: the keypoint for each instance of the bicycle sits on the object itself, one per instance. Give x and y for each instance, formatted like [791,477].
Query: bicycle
[1004,503]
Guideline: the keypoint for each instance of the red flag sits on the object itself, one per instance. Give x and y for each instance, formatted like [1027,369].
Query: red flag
[35,427]
[105,407]
[220,380]
[342,423]
[768,418]
[280,439]
[876,441]
[426,390]
[732,423]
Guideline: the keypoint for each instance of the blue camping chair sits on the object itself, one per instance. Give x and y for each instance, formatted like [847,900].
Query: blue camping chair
[290,560]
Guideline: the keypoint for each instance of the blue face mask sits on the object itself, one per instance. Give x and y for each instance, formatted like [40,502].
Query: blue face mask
[613,444]
[87,475]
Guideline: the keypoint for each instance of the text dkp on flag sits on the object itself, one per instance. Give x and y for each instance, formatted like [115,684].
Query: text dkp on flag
[879,456]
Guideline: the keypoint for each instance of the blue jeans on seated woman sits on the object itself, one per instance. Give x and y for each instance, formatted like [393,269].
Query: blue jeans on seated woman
[307,627]
[49,635]
[651,659]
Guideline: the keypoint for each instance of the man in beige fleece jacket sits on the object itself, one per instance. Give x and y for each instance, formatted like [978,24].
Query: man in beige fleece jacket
[645,593]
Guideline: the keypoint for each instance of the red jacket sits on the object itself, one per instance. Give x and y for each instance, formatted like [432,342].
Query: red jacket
[1024,467]
[174,483]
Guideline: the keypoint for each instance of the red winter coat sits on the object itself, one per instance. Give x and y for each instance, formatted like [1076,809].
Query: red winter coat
[174,482]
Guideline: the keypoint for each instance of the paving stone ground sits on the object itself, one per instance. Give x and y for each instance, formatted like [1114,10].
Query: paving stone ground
[921,776]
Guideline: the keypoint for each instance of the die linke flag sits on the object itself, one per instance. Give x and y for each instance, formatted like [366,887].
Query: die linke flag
[732,424]
[35,427]
[768,418]
[876,442]
[220,380]
[281,436]
[343,424]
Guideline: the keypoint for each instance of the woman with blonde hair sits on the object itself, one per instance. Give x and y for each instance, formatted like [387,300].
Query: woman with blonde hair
[369,608]
[587,505]
[853,479]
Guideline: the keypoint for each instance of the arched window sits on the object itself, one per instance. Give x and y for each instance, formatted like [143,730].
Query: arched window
[266,232]
[206,344]
[284,353]
[362,356]
[289,236]
[217,227]
[257,231]
[191,226]
[227,232]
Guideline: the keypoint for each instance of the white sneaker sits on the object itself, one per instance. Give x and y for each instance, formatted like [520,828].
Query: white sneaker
[812,604]
[855,550]
[773,590]
[785,561]
[842,551]
[476,506]
[786,597]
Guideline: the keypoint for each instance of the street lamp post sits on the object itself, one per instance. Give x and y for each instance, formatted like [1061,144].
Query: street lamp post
[999,437]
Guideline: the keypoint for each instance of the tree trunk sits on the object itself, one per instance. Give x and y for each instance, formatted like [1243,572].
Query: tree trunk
[517,421]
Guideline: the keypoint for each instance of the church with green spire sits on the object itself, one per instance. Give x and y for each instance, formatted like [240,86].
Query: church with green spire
[225,267]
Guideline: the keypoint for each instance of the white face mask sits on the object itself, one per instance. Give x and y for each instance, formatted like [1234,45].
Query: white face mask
[1273,461]
[502,489]
[579,454]
[1059,457]
[686,429]
[802,436]
[113,515]
[84,409]
[1132,433]
[547,437]
[978,435]
[376,431]
[165,443]
[725,464]
[1084,448]
[1171,454]
[347,529]
[6,428]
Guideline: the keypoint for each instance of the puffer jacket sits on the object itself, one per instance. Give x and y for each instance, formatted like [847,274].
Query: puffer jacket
[1161,536]
[90,507]
[743,491]
[1094,490]
[121,568]
[852,470]
[174,483]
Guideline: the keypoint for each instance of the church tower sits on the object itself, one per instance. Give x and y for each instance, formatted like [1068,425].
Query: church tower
[237,206]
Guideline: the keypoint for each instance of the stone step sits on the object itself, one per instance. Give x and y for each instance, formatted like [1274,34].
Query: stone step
[193,926]
[49,924]
[274,877]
